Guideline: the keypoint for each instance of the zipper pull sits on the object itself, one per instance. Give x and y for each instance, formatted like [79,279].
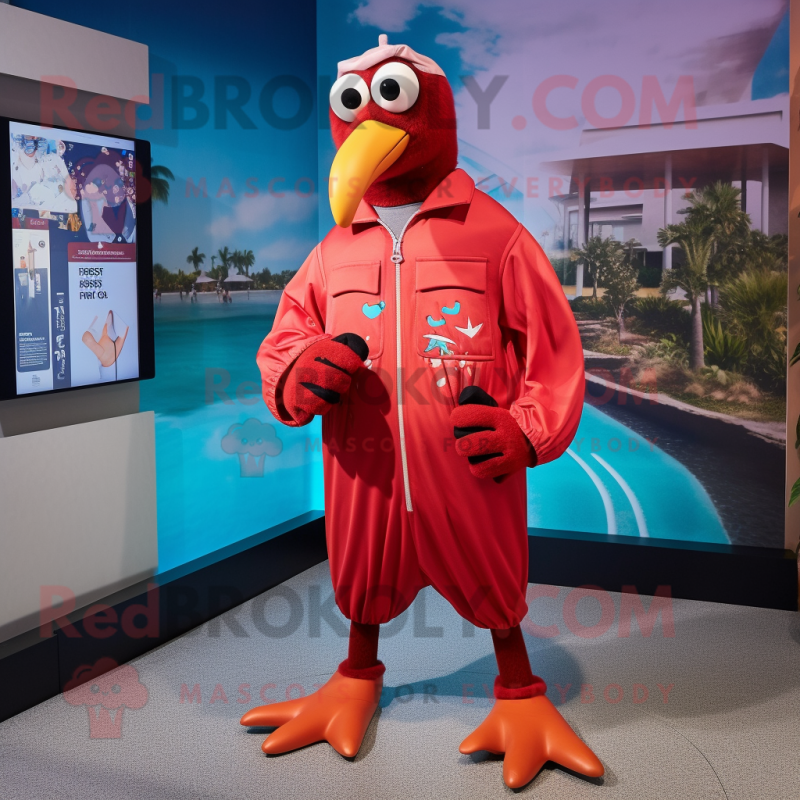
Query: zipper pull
[397,258]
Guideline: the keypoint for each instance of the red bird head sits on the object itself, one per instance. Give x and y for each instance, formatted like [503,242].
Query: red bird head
[393,122]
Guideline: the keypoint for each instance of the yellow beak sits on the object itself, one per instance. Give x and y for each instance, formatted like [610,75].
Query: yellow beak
[364,155]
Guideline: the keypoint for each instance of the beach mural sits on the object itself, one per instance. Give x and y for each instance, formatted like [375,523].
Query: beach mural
[646,147]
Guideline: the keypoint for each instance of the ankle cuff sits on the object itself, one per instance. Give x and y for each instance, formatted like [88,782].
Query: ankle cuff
[365,674]
[534,689]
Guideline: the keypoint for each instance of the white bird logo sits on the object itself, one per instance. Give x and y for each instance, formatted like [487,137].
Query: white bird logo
[470,330]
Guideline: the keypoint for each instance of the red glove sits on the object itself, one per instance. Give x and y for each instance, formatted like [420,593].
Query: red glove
[321,375]
[489,436]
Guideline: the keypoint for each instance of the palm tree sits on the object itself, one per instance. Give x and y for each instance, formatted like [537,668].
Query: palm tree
[718,208]
[224,257]
[248,260]
[195,258]
[697,243]
[160,177]
[236,261]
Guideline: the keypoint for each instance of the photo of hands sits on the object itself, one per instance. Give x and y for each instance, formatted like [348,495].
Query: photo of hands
[106,343]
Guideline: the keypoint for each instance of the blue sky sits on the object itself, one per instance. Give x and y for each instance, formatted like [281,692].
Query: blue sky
[772,73]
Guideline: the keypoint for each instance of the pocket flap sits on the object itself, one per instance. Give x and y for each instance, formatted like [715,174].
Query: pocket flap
[355,276]
[466,273]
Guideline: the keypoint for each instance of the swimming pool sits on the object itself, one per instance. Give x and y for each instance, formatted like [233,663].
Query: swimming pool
[615,481]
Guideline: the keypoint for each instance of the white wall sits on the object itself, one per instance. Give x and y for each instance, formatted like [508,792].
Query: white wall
[78,509]
[77,469]
[33,46]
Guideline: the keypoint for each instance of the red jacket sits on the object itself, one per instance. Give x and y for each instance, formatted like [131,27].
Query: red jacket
[465,296]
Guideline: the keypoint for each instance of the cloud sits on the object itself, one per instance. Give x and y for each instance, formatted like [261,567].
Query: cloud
[388,15]
[263,212]
[292,250]
[477,48]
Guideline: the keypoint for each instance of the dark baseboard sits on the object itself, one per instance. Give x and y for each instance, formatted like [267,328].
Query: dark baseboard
[37,666]
[747,576]
[28,673]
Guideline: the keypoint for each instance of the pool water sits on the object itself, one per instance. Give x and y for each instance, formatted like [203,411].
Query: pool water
[227,470]
[207,497]
[614,480]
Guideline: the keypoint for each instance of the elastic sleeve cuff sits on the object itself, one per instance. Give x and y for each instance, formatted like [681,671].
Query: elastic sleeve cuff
[270,384]
[533,436]
[538,687]
[365,674]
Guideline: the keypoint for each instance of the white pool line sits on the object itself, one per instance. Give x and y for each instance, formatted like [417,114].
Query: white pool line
[611,520]
[632,499]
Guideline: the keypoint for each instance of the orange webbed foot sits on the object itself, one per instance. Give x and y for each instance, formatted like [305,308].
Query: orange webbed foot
[338,713]
[531,732]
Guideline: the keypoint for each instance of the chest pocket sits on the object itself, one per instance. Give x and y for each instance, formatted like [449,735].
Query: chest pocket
[355,303]
[452,309]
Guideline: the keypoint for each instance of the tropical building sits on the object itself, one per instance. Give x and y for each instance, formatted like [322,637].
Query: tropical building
[629,181]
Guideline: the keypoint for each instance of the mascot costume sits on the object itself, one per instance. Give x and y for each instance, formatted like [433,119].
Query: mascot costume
[431,333]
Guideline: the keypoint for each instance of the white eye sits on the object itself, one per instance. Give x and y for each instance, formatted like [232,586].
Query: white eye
[395,87]
[348,95]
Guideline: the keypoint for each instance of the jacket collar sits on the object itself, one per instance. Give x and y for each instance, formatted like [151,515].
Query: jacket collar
[455,190]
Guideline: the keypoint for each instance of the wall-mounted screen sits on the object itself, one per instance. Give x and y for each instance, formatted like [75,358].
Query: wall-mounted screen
[79,254]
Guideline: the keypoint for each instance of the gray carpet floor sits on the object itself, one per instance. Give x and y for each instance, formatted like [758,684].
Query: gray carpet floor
[729,728]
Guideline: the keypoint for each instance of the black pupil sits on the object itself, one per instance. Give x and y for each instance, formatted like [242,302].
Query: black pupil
[351,98]
[390,89]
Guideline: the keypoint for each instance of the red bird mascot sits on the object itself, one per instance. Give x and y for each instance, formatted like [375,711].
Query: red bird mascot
[431,332]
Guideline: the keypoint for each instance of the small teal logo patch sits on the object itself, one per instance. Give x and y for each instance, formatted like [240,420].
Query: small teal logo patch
[373,311]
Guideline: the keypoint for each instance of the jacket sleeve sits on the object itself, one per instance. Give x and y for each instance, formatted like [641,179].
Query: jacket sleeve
[538,324]
[299,323]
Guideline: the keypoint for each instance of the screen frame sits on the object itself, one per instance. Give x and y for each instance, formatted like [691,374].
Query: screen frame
[144,272]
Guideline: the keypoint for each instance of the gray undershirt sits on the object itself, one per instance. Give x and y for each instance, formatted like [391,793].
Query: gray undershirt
[396,217]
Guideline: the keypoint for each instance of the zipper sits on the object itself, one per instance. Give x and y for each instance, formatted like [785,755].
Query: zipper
[397,259]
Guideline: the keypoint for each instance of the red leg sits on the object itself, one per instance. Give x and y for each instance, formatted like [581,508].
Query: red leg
[362,650]
[515,680]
